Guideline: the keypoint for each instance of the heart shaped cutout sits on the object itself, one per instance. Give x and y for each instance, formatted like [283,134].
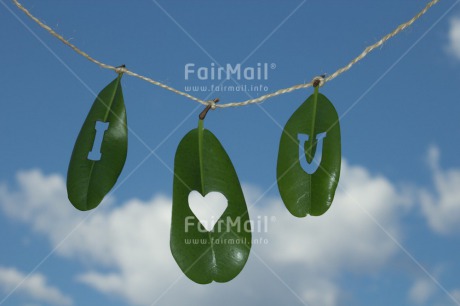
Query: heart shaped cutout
[207,209]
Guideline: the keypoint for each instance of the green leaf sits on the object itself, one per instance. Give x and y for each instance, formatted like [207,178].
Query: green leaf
[88,181]
[202,164]
[310,192]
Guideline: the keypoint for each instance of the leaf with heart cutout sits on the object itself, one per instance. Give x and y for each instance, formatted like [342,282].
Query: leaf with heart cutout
[309,157]
[201,164]
[88,181]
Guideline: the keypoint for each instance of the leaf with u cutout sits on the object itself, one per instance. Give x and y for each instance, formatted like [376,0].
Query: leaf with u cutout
[309,157]
[202,164]
[88,181]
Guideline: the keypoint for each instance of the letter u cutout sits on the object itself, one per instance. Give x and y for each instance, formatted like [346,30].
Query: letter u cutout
[310,168]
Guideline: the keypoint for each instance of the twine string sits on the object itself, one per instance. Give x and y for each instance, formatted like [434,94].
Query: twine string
[211,103]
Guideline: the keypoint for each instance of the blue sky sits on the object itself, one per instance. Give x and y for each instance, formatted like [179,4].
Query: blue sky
[392,234]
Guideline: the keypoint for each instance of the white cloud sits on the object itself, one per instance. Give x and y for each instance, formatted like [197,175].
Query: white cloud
[126,247]
[454,37]
[345,237]
[323,292]
[35,286]
[443,209]
[456,294]
[422,290]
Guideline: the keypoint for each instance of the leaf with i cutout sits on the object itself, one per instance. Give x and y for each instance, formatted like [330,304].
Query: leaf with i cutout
[92,174]
[201,164]
[309,157]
